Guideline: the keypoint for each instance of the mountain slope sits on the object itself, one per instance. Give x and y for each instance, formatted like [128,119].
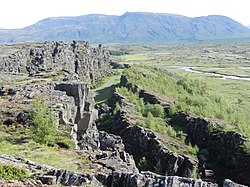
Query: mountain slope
[129,27]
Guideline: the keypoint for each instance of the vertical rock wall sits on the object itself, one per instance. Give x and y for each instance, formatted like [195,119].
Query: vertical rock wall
[78,59]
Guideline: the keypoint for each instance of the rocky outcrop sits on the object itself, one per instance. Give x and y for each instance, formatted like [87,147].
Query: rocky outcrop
[216,146]
[77,59]
[113,155]
[148,179]
[142,142]
[73,105]
[229,183]
[85,131]
[224,148]
[71,102]
[51,176]
[69,178]
[196,127]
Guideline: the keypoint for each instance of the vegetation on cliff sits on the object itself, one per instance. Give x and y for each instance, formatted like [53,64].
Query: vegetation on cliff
[153,117]
[193,95]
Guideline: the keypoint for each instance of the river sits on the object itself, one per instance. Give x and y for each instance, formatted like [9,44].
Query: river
[192,69]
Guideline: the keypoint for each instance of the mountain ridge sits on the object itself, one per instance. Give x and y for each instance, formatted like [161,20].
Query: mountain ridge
[131,27]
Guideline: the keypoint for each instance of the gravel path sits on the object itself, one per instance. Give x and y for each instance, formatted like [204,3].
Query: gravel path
[106,85]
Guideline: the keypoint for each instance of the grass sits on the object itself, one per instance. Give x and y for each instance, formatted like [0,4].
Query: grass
[231,97]
[9,172]
[235,92]
[41,154]
[198,54]
[17,142]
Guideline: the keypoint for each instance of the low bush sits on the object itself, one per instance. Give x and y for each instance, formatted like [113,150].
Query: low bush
[9,172]
[156,110]
[44,130]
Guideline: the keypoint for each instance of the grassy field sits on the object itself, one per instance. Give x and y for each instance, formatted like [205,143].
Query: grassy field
[221,54]
[18,143]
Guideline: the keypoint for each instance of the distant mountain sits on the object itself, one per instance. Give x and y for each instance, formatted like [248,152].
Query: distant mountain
[138,27]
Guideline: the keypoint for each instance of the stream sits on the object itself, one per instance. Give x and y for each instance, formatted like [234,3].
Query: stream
[192,69]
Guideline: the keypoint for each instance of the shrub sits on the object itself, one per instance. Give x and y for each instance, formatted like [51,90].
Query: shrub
[9,172]
[117,108]
[172,110]
[143,163]
[150,121]
[246,147]
[193,173]
[156,110]
[44,129]
[192,150]
[170,131]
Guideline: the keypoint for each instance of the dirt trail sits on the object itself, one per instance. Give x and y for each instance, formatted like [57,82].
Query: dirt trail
[106,85]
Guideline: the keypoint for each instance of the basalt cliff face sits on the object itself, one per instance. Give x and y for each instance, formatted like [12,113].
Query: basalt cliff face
[56,72]
[76,59]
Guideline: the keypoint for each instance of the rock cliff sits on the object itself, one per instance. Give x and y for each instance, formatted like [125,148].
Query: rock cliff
[224,148]
[220,153]
[52,176]
[77,59]
[142,142]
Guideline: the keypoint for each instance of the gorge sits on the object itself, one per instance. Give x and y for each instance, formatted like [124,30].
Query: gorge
[119,151]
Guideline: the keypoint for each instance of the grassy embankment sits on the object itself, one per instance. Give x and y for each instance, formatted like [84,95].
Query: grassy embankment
[19,141]
[40,142]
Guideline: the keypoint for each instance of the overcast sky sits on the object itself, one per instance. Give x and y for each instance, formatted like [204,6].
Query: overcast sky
[21,13]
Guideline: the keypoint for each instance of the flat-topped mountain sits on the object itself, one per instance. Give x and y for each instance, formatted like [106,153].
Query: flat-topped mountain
[137,27]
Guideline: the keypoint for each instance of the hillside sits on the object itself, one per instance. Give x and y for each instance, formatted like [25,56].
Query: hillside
[128,28]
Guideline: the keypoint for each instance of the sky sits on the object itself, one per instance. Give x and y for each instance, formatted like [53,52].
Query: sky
[22,13]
